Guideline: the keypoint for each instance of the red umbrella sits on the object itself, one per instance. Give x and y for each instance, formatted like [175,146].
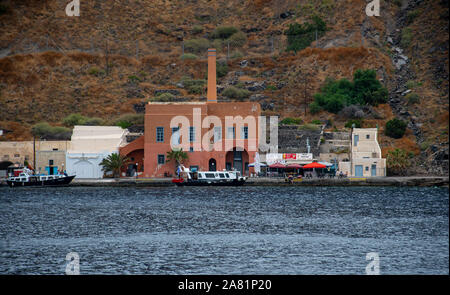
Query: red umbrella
[314,165]
[277,165]
[294,165]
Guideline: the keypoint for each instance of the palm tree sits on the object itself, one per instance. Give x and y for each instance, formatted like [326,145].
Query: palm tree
[397,161]
[114,163]
[178,156]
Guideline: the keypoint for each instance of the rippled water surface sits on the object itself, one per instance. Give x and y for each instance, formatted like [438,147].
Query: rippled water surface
[245,230]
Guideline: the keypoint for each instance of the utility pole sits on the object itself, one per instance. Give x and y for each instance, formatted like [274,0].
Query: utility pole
[137,49]
[304,79]
[34,153]
[316,40]
[106,57]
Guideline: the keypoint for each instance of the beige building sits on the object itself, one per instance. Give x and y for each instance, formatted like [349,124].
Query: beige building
[50,155]
[365,156]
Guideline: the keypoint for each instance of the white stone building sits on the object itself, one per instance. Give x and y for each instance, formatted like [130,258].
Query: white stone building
[365,156]
[89,146]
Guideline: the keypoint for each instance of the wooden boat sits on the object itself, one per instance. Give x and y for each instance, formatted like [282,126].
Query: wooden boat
[209,178]
[27,179]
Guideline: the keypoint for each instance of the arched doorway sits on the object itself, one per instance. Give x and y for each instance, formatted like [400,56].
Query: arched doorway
[237,159]
[4,167]
[212,164]
[5,164]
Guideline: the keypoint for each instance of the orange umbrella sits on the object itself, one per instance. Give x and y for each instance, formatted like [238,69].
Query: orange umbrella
[314,165]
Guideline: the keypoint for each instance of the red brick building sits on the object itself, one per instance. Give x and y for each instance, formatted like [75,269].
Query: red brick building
[215,135]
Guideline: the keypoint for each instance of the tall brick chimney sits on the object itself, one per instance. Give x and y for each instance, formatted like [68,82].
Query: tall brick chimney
[211,96]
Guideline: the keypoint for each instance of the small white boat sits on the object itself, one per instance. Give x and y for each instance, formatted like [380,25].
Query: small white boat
[205,178]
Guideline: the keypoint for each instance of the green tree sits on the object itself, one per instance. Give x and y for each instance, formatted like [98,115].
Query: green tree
[365,89]
[114,163]
[397,162]
[178,156]
[395,128]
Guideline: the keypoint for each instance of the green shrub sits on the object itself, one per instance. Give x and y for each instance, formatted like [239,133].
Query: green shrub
[236,93]
[128,120]
[406,37]
[95,121]
[314,108]
[357,122]
[197,29]
[309,127]
[188,82]
[301,36]
[199,45]
[236,54]
[412,98]
[45,131]
[411,16]
[397,161]
[189,56]
[74,119]
[218,44]
[238,39]
[410,84]
[94,71]
[134,79]
[272,87]
[221,69]
[195,89]
[425,145]
[364,89]
[165,96]
[224,32]
[395,128]
[317,122]
[291,121]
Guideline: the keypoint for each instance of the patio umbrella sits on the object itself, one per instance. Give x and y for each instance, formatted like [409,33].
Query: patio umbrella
[294,165]
[314,165]
[328,164]
[260,164]
[277,165]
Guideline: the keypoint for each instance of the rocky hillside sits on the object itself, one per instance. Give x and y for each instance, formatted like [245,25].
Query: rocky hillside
[118,54]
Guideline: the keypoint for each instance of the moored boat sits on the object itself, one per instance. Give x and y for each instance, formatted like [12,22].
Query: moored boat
[28,179]
[208,178]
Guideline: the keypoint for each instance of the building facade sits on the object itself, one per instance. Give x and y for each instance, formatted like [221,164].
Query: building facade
[89,146]
[215,135]
[50,155]
[365,156]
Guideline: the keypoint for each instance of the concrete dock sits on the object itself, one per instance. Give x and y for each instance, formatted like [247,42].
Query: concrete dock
[266,181]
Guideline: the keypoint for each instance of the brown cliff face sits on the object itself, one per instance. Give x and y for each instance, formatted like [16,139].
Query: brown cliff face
[115,55]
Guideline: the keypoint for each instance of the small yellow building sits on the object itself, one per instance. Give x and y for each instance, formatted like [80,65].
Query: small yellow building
[365,156]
